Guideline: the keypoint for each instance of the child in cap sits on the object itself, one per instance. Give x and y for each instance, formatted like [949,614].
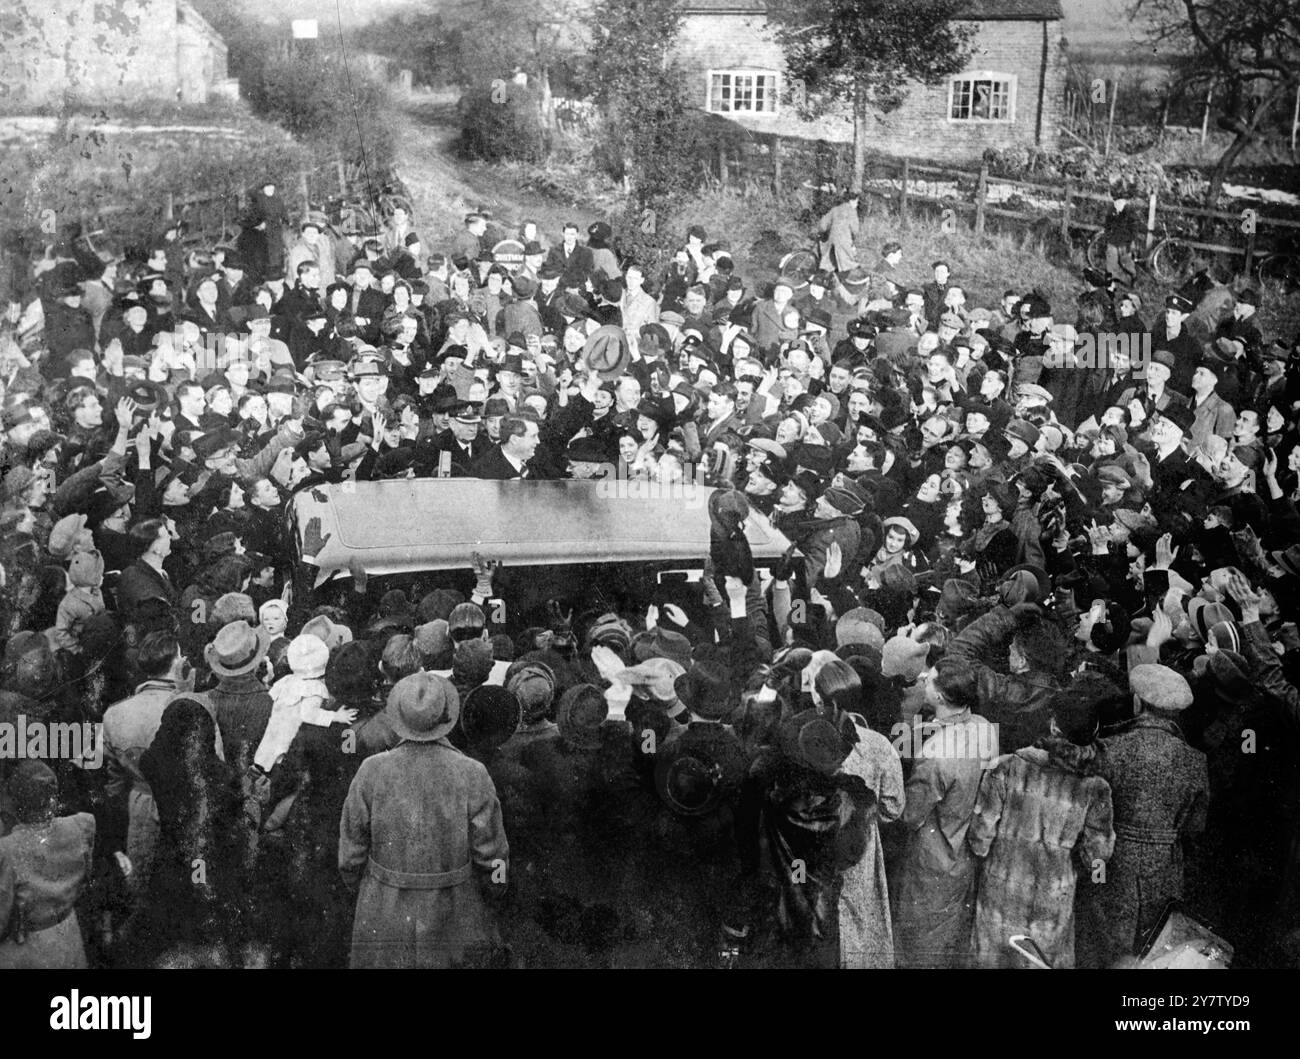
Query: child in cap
[82,601]
[298,699]
[70,536]
[272,617]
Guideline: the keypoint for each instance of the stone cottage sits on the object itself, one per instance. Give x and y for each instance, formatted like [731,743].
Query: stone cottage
[1012,92]
[109,51]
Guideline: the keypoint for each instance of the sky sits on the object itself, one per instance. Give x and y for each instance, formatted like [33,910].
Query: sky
[1091,21]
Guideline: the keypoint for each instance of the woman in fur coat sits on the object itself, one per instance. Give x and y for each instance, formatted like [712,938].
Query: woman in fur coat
[1043,814]
[208,821]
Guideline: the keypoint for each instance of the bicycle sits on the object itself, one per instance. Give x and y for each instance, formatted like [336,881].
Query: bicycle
[1170,260]
[1279,267]
[390,195]
[799,266]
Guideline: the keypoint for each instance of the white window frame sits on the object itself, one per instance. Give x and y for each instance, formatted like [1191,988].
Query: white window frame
[773,94]
[984,75]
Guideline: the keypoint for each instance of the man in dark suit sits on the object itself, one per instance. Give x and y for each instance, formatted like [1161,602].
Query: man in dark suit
[519,437]
[722,418]
[573,258]
[366,302]
[304,296]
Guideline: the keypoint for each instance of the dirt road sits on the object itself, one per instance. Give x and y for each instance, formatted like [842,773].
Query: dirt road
[444,187]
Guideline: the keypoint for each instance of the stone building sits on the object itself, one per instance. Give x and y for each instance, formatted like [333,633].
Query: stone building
[1012,92]
[108,51]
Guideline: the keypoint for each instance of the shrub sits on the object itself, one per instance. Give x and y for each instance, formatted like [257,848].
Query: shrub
[314,99]
[501,123]
[54,181]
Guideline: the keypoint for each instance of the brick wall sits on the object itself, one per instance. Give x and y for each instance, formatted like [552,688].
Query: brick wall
[920,127]
[94,50]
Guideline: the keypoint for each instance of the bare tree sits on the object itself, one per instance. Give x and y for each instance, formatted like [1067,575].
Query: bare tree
[1246,51]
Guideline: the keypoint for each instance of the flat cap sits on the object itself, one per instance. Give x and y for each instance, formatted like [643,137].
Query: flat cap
[1160,687]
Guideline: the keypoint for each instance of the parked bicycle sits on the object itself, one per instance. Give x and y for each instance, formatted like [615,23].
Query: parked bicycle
[1169,260]
[1280,267]
[378,191]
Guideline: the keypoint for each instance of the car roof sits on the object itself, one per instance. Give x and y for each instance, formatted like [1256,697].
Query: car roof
[415,524]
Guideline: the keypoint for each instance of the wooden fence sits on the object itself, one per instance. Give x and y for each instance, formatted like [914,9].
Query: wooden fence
[980,199]
[212,217]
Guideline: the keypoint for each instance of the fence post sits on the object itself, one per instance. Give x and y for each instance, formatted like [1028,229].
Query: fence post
[343,176]
[1110,118]
[1205,118]
[169,210]
[1065,212]
[1295,119]
[304,191]
[1248,267]
[981,193]
[722,164]
[777,182]
[902,198]
[1151,218]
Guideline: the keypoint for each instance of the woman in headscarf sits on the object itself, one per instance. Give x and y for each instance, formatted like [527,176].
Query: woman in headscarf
[866,938]
[817,819]
[208,823]
[44,867]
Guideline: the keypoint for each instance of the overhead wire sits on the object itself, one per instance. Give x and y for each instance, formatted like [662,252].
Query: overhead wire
[373,198]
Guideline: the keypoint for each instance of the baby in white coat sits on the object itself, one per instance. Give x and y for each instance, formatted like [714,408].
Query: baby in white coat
[298,699]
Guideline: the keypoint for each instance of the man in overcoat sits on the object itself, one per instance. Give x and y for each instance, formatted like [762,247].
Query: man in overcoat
[421,840]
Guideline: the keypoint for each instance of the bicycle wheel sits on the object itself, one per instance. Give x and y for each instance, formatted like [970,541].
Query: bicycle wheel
[799,265]
[1280,269]
[1095,251]
[1170,261]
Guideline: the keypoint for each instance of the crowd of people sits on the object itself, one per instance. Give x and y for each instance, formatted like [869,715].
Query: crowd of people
[1030,666]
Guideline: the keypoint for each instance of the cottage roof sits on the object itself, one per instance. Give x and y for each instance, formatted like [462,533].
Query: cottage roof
[978,10]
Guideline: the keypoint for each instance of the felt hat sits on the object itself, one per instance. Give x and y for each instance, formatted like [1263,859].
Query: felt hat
[697,770]
[235,650]
[1041,586]
[606,352]
[1179,415]
[423,707]
[661,643]
[489,716]
[957,599]
[655,675]
[816,742]
[1024,431]
[706,690]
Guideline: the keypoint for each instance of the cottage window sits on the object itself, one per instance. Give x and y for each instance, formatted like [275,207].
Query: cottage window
[742,92]
[982,97]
